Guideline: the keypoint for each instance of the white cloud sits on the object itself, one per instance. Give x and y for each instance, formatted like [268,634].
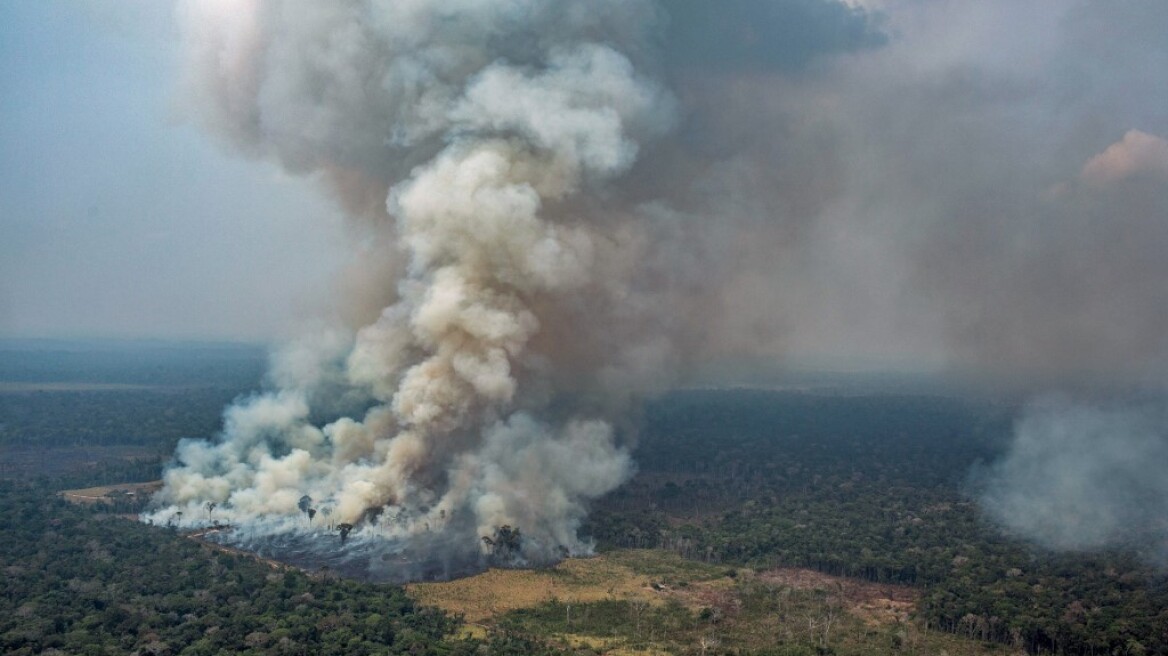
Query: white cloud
[1137,153]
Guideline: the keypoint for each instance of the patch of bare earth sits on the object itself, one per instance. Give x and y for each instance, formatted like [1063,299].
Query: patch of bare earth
[875,603]
[494,592]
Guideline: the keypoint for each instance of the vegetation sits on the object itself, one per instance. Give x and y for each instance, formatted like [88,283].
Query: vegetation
[105,394]
[734,489]
[155,418]
[872,487]
[653,602]
[145,363]
[85,582]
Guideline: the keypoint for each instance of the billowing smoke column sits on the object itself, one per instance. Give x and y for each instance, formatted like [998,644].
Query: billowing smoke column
[528,259]
[487,382]
[558,205]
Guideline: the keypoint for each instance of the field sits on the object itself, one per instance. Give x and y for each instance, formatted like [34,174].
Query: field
[628,575]
[653,602]
[108,493]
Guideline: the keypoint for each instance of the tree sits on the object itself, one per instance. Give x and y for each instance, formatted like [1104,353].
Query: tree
[506,543]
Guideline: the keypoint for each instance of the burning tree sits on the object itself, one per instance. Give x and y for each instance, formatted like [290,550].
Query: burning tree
[344,529]
[505,545]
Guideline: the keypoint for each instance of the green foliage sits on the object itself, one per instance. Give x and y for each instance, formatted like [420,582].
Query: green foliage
[91,583]
[155,418]
[871,487]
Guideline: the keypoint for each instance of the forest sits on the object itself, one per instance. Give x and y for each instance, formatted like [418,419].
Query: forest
[78,581]
[874,487]
[853,483]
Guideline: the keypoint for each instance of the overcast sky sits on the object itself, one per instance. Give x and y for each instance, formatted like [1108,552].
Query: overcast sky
[982,182]
[119,219]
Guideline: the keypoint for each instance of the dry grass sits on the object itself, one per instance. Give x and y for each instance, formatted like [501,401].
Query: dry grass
[875,603]
[867,615]
[496,591]
[652,576]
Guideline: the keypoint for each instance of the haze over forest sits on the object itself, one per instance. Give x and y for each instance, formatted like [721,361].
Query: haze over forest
[483,233]
[511,260]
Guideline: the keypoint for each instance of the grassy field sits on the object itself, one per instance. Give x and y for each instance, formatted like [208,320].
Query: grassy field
[653,602]
[626,575]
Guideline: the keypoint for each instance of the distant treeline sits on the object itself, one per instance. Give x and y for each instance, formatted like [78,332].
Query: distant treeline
[180,391]
[156,418]
[132,363]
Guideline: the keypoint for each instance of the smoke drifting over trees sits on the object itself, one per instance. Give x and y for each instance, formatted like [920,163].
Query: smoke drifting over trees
[558,207]
[475,140]
[1084,478]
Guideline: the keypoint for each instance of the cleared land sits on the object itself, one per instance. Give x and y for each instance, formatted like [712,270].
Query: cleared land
[624,575]
[108,493]
[653,602]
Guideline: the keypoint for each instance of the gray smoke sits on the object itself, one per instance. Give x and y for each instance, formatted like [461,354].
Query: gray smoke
[462,133]
[510,296]
[1084,477]
[558,207]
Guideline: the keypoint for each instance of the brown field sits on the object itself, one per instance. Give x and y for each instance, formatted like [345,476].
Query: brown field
[651,576]
[813,609]
[620,575]
[875,603]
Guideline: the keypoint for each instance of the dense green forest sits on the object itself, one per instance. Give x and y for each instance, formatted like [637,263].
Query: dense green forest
[150,394]
[853,483]
[873,487]
[155,418]
[80,581]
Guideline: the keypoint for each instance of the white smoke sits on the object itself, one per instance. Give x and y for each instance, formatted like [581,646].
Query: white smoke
[544,230]
[488,131]
[1082,477]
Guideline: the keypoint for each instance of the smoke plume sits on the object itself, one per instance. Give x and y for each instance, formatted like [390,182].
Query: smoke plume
[559,207]
[511,298]
[474,139]
[1082,477]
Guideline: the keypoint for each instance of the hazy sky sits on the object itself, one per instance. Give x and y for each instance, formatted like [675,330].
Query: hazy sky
[979,182]
[117,219]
